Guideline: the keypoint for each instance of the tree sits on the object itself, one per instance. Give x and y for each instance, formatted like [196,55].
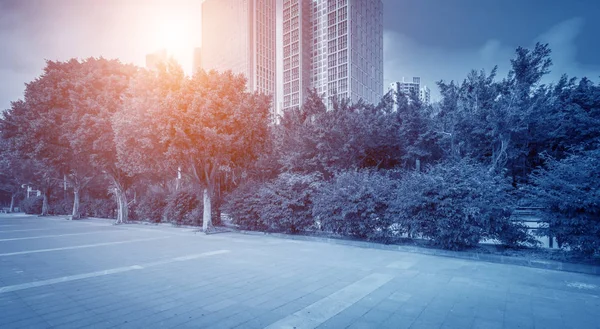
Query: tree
[64,123]
[493,121]
[98,88]
[569,191]
[207,125]
[348,136]
[14,173]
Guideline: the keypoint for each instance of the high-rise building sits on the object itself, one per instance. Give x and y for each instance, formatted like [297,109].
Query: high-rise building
[334,46]
[407,88]
[197,60]
[154,58]
[425,95]
[239,35]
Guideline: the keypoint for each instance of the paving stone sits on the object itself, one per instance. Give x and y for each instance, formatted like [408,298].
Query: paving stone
[262,280]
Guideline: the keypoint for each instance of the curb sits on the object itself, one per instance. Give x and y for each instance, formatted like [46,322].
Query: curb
[490,258]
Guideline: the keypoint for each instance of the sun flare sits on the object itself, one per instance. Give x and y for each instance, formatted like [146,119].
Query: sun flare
[173,36]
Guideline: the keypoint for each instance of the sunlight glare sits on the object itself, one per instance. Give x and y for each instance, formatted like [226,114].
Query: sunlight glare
[174,36]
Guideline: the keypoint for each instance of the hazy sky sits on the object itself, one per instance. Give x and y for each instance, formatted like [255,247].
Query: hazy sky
[434,39]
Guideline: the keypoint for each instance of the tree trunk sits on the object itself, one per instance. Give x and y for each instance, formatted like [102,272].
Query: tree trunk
[206,217]
[12,202]
[45,204]
[75,204]
[124,208]
[122,213]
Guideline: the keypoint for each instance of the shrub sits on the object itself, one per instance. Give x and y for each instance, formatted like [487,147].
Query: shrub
[32,205]
[243,206]
[287,203]
[456,204]
[100,208]
[569,190]
[151,207]
[183,208]
[280,205]
[355,203]
[61,206]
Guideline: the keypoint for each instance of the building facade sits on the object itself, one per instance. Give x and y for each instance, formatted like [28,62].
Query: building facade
[333,46]
[405,88]
[197,60]
[239,35]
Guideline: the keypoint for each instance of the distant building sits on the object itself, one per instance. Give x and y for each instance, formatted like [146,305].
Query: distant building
[425,95]
[239,35]
[197,60]
[153,59]
[411,88]
[334,46]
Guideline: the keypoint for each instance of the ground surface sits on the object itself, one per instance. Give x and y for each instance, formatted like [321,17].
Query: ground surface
[76,274]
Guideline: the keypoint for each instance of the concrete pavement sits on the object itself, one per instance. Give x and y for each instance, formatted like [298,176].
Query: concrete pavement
[75,274]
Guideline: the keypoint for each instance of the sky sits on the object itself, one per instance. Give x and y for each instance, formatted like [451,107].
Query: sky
[433,39]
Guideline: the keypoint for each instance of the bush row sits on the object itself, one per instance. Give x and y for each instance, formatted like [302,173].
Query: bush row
[454,205]
[181,207]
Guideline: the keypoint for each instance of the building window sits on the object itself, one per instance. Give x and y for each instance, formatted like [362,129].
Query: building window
[295,73]
[332,46]
[342,13]
[343,42]
[343,71]
[331,5]
[343,28]
[343,85]
[332,74]
[332,60]
[332,88]
[343,56]
[332,33]
[331,18]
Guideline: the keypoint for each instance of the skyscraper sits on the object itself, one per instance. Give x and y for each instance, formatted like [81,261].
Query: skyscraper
[334,46]
[197,60]
[239,35]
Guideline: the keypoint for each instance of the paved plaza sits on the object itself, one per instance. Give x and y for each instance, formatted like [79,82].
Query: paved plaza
[56,273]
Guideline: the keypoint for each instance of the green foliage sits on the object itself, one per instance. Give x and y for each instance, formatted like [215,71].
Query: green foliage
[183,208]
[349,136]
[455,204]
[569,190]
[32,205]
[244,205]
[151,207]
[98,207]
[61,206]
[355,204]
[280,205]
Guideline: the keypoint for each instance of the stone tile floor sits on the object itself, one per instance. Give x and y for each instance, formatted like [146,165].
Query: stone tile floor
[56,273]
